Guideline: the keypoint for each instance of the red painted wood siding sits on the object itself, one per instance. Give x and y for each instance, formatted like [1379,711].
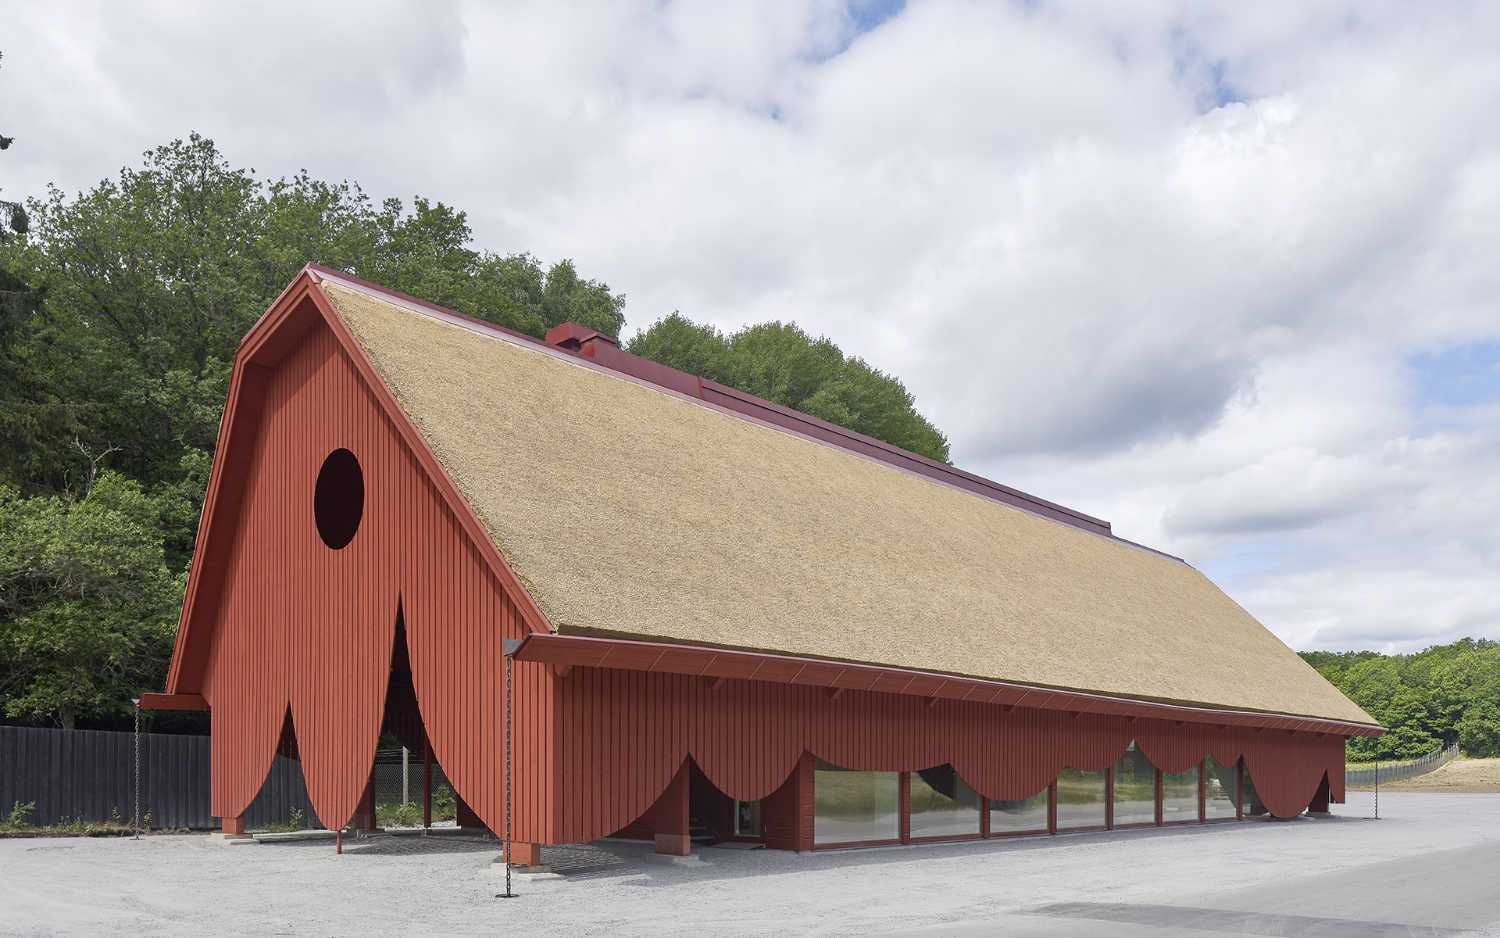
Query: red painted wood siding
[304,627]
[623,734]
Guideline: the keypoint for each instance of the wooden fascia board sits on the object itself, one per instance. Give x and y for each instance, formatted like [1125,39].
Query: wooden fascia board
[634,655]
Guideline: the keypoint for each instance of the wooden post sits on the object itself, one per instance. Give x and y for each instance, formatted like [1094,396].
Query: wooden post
[904,800]
[426,782]
[1159,809]
[526,854]
[364,813]
[984,817]
[1319,803]
[1109,798]
[669,817]
[1052,807]
[1239,789]
[1202,790]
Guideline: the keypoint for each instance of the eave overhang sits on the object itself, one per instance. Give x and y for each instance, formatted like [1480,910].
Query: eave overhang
[173,702]
[563,652]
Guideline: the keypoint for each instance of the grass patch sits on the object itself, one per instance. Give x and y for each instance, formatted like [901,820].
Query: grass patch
[20,821]
[409,813]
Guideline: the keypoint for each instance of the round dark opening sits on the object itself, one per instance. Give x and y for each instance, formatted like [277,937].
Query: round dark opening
[339,498]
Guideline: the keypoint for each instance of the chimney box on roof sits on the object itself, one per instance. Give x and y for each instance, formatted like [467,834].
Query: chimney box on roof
[576,338]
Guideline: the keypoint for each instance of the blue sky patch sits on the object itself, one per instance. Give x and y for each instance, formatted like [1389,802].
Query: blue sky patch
[1461,376]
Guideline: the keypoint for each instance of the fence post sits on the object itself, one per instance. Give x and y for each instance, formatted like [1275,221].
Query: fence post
[405,777]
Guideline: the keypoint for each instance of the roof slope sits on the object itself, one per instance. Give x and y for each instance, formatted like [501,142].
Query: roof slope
[628,510]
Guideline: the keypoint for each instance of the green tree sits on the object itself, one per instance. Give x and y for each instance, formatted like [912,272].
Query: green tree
[1479,729]
[782,363]
[87,604]
[681,343]
[1437,696]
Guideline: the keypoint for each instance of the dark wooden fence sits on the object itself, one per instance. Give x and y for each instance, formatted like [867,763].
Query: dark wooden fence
[88,775]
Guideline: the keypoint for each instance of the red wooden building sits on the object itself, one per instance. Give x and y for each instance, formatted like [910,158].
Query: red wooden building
[722,612]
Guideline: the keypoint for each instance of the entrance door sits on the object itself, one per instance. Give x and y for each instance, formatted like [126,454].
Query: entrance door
[747,819]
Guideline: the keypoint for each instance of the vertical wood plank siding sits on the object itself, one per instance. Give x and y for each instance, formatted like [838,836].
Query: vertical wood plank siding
[747,737]
[308,629]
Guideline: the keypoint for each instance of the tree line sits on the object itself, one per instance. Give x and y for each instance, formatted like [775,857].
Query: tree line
[1435,697]
[120,311]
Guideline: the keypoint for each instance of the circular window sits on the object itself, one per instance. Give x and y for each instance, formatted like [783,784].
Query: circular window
[339,498]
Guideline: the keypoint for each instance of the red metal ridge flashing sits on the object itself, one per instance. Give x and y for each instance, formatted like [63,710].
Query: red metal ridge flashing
[566,651]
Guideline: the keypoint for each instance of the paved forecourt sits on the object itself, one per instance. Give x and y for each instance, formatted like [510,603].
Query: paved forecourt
[1428,867]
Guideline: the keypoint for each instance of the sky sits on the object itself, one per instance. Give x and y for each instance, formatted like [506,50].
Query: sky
[1223,274]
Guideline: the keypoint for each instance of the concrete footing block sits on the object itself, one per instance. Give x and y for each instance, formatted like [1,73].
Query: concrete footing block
[285,837]
[530,873]
[668,859]
[230,840]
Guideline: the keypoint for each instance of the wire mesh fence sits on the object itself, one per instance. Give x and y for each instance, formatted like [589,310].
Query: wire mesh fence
[400,778]
[1396,771]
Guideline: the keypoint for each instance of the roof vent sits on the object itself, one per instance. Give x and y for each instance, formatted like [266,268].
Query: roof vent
[575,338]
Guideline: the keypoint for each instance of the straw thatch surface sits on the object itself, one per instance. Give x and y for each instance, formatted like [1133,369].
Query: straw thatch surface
[628,511]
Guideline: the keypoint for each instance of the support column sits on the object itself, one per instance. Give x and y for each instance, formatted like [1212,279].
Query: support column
[426,782]
[1239,789]
[1109,798]
[984,817]
[1202,790]
[467,819]
[669,818]
[525,854]
[364,812]
[905,809]
[1052,807]
[1319,804]
[786,815]
[233,825]
[1158,798]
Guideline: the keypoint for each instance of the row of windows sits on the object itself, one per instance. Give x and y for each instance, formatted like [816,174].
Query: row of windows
[864,807]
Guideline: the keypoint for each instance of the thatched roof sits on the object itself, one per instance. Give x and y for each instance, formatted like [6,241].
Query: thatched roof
[627,510]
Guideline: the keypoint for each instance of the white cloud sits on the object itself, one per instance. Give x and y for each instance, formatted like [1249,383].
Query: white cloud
[1169,264]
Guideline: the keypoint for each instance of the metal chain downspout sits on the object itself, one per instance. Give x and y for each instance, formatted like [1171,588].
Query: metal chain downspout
[509,648]
[136,823]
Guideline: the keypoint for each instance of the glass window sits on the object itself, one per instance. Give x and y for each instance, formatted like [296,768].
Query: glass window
[1027,814]
[1179,796]
[849,806]
[1253,805]
[1080,799]
[1135,788]
[942,805]
[1218,789]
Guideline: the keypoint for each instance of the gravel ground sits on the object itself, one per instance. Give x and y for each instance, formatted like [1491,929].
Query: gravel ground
[1427,868]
